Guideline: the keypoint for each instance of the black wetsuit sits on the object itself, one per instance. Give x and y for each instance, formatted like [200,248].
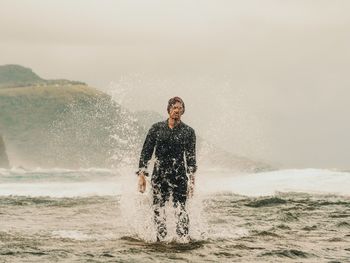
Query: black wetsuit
[175,153]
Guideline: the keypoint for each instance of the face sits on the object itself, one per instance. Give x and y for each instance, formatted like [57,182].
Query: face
[176,111]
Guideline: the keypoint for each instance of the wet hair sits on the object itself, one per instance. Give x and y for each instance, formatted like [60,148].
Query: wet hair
[173,100]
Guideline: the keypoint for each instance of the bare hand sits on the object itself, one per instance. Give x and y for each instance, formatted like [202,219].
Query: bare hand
[191,186]
[142,183]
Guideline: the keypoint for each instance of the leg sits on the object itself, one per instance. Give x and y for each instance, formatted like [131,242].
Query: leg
[160,196]
[159,220]
[182,219]
[179,198]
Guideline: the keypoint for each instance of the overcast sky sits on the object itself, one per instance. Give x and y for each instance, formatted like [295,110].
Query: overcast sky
[264,79]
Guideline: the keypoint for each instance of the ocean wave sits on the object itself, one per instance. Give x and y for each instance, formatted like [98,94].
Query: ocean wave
[18,175]
[95,181]
[267,202]
[44,229]
[288,253]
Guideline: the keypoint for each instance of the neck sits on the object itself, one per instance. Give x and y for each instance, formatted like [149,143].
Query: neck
[173,122]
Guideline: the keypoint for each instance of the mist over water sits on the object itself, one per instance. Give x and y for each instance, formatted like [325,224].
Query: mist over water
[219,111]
[97,215]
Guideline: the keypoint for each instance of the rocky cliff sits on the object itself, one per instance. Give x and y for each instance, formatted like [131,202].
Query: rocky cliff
[4,161]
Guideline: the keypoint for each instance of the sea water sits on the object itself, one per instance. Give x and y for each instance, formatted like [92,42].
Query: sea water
[97,215]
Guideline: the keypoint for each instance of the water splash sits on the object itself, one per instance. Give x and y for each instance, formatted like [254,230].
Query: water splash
[93,132]
[138,215]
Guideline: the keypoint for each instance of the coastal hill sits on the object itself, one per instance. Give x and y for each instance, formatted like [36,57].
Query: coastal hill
[16,75]
[63,123]
[67,124]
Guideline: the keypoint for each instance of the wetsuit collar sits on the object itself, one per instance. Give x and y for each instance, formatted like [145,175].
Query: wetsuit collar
[176,126]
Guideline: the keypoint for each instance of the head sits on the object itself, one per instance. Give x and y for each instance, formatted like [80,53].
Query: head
[176,107]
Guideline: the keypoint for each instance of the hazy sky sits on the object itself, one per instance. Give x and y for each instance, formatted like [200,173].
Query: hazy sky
[265,79]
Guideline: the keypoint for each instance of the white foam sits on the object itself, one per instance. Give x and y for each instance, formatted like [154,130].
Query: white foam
[208,182]
[60,189]
[21,170]
[71,234]
[268,183]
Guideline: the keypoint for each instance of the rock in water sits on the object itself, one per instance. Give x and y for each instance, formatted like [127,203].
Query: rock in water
[4,161]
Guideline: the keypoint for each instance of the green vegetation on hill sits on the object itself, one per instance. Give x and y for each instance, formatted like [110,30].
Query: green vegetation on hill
[62,123]
[16,76]
[68,126]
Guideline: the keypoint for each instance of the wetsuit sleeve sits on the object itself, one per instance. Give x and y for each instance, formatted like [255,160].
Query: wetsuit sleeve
[147,150]
[191,153]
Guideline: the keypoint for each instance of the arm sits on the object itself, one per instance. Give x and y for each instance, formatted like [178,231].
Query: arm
[147,151]
[191,154]
[146,155]
[191,161]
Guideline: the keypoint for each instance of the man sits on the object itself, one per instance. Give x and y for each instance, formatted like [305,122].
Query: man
[174,144]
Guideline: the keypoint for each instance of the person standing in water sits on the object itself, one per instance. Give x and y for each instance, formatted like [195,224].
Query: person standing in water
[174,144]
